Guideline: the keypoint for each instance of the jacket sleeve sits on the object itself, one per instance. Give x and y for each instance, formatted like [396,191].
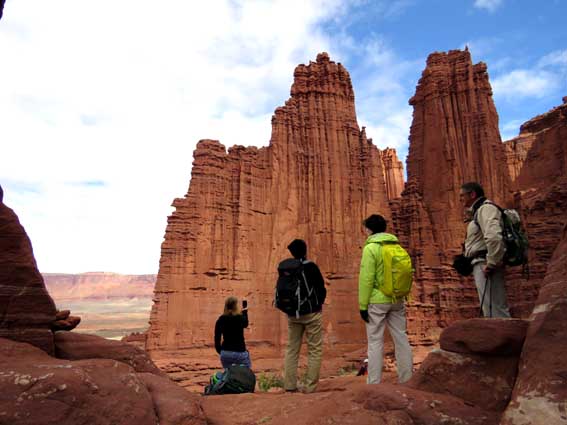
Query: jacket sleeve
[245,318]
[366,277]
[218,332]
[490,221]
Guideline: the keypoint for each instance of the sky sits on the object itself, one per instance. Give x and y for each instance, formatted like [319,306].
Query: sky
[102,103]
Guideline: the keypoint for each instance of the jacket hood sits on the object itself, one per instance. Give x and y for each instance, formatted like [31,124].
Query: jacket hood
[381,237]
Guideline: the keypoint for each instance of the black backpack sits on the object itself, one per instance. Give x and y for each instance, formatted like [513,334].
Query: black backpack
[294,295]
[236,379]
[513,236]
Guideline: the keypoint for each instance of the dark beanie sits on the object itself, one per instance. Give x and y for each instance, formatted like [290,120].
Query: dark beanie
[376,223]
[298,248]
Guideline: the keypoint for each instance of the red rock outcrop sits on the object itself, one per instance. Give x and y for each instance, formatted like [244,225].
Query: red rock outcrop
[454,138]
[41,390]
[64,321]
[317,179]
[26,309]
[393,173]
[347,401]
[470,336]
[516,153]
[540,393]
[542,201]
[98,285]
[76,346]
[480,380]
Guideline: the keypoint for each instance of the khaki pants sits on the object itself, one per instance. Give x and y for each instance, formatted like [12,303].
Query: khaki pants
[312,326]
[495,304]
[394,315]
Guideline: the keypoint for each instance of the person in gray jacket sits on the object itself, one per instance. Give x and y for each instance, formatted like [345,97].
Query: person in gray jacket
[484,245]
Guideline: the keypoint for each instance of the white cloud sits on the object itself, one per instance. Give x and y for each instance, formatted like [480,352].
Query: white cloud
[521,83]
[119,93]
[556,58]
[101,111]
[490,5]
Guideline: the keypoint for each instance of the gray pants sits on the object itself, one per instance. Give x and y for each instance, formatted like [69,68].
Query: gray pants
[495,304]
[394,315]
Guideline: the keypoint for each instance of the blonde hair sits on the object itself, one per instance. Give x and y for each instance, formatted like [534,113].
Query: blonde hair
[231,307]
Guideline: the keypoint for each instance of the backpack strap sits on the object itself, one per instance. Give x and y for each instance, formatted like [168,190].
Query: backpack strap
[486,202]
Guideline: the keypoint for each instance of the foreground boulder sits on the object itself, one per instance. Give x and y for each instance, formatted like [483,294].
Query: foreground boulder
[346,400]
[540,393]
[41,390]
[173,404]
[485,381]
[76,346]
[502,337]
[26,309]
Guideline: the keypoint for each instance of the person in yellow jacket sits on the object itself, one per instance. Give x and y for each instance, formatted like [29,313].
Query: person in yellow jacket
[379,310]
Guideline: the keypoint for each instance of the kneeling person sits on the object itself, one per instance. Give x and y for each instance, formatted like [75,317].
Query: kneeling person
[230,327]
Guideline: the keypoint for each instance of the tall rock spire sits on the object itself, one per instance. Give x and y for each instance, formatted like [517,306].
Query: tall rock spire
[317,179]
[454,138]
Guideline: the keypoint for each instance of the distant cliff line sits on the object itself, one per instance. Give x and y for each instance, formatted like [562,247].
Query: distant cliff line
[98,285]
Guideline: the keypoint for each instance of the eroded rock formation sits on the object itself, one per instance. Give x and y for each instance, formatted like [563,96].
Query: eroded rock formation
[26,309]
[317,179]
[39,389]
[454,138]
[394,173]
[540,393]
[542,200]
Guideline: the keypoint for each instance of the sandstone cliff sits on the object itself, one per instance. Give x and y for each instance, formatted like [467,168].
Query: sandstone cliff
[26,309]
[454,138]
[317,179]
[542,199]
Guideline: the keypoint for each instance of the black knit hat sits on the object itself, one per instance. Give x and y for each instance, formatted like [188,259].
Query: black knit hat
[298,248]
[375,223]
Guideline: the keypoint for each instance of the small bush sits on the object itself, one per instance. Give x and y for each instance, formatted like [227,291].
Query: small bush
[351,369]
[269,380]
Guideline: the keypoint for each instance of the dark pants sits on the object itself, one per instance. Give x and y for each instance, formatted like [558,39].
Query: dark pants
[228,358]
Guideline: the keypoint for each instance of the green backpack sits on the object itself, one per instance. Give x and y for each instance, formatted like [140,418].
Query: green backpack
[398,271]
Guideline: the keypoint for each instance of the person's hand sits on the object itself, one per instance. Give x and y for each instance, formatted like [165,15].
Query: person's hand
[364,315]
[487,270]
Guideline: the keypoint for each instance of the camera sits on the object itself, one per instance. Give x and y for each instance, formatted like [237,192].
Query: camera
[244,304]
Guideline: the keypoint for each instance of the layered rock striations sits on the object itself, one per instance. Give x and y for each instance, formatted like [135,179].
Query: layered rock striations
[98,286]
[454,138]
[317,179]
[26,309]
[542,199]
[516,153]
[393,173]
[540,391]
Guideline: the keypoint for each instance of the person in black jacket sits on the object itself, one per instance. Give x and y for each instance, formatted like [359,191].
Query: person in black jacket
[229,334]
[311,324]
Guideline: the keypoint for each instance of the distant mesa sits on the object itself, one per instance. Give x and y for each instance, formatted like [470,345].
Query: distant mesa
[98,285]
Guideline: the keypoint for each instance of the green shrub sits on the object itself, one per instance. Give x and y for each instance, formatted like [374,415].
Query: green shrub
[269,380]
